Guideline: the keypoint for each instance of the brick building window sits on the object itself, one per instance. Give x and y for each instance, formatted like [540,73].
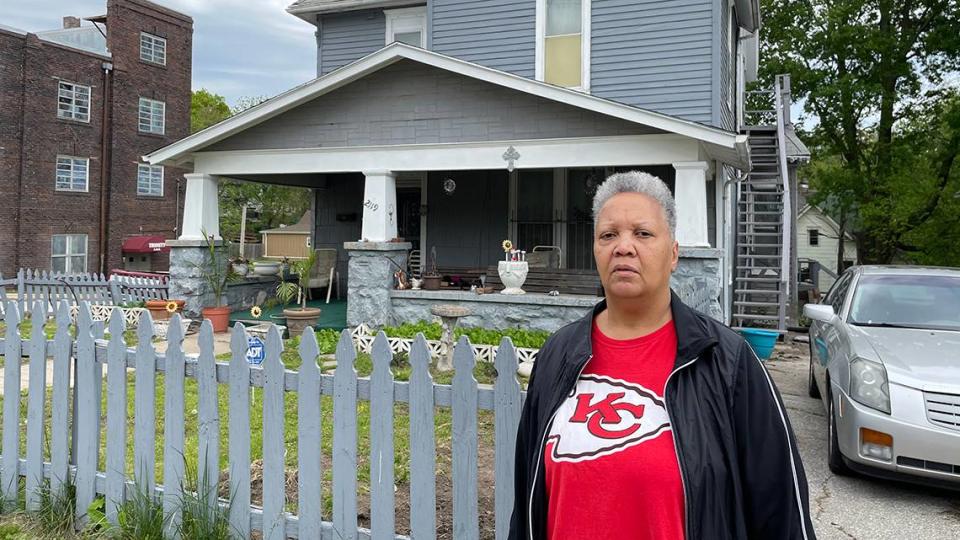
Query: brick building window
[72,173]
[150,180]
[153,49]
[73,102]
[152,116]
[69,253]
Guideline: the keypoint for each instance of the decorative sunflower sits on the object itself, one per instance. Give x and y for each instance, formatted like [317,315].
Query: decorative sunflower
[256,312]
[171,307]
[507,246]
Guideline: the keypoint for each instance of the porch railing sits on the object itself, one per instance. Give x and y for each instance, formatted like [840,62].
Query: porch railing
[86,356]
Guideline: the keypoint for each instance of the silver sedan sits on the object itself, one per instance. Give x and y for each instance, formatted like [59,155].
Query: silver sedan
[885,359]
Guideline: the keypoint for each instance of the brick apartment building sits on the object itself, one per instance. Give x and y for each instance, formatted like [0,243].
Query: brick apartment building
[79,106]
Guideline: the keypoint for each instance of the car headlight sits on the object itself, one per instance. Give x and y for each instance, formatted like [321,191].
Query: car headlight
[868,384]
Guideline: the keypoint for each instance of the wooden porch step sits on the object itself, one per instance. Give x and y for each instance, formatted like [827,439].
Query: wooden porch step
[752,292]
[769,279]
[755,317]
[747,303]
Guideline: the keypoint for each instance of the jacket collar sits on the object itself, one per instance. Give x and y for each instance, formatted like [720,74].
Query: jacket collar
[693,336]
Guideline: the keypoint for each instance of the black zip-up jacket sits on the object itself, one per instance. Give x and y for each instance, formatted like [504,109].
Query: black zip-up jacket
[738,456]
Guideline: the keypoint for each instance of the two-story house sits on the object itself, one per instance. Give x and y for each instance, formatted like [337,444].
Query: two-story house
[455,124]
[79,105]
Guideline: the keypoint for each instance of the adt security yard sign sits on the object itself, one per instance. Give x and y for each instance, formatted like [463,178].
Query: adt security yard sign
[255,351]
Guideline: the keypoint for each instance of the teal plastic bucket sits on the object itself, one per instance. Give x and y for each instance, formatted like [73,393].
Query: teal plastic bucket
[761,341]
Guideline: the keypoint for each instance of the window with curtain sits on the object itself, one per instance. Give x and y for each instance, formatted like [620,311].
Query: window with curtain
[562,48]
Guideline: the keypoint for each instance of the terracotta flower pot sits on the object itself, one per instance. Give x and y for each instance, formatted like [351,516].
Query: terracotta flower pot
[431,283]
[158,308]
[298,319]
[219,317]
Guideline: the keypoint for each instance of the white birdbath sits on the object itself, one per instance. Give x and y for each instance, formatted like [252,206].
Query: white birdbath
[449,315]
[512,275]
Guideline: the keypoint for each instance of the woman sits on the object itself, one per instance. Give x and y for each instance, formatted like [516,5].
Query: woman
[647,419]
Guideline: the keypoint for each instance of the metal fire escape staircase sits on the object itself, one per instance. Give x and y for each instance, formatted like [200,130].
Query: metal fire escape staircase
[764,215]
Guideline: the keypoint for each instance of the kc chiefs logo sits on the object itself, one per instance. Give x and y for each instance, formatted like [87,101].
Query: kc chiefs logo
[605,416]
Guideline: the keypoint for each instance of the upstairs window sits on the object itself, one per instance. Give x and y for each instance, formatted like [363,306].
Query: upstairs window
[69,253]
[563,43]
[407,25]
[813,237]
[153,49]
[73,102]
[152,116]
[150,180]
[72,173]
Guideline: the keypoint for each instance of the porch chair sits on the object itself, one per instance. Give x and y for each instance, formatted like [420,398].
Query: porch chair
[414,264]
[324,272]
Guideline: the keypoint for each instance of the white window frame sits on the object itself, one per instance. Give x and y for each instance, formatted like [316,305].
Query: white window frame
[404,20]
[68,255]
[541,33]
[72,160]
[149,170]
[70,111]
[150,104]
[150,54]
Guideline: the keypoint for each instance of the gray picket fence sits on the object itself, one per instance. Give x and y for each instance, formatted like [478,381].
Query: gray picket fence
[77,461]
[51,288]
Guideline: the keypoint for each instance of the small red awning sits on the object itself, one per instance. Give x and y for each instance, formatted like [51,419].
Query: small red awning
[145,244]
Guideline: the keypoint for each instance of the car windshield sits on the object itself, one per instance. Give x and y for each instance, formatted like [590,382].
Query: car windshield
[910,301]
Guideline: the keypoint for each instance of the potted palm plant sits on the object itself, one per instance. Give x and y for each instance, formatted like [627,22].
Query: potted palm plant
[287,291]
[218,273]
[431,278]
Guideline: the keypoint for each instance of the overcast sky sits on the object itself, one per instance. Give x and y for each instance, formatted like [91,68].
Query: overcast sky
[241,48]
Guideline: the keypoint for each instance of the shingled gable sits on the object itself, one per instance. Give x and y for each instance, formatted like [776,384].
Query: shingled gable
[602,116]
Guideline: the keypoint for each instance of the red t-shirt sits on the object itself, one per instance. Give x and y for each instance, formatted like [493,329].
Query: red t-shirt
[611,466]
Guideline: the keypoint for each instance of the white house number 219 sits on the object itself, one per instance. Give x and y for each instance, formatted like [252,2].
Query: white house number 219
[371,205]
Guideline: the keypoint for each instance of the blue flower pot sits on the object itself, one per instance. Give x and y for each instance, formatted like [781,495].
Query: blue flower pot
[761,341]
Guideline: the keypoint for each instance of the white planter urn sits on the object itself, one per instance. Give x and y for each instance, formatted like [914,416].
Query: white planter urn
[512,275]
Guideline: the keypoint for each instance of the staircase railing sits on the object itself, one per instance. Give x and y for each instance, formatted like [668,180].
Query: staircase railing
[785,251]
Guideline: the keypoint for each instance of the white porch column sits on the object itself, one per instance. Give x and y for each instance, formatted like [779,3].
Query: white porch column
[691,198]
[201,210]
[379,206]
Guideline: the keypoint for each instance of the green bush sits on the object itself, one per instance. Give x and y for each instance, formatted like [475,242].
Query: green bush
[528,339]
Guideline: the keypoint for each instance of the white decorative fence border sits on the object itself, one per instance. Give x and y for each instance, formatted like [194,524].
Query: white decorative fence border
[364,337]
[85,357]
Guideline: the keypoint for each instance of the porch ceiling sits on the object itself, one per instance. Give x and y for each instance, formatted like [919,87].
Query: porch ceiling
[406,99]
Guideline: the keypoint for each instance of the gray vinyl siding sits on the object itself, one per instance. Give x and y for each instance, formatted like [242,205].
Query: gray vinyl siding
[655,54]
[727,69]
[412,103]
[338,195]
[499,34]
[348,37]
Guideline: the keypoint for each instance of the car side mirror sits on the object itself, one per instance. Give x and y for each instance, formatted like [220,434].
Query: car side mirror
[820,312]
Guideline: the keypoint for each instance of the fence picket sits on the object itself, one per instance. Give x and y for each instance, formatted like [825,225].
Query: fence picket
[381,442]
[345,441]
[273,453]
[88,424]
[239,433]
[173,417]
[11,407]
[59,403]
[309,438]
[422,443]
[145,391]
[465,517]
[116,416]
[506,418]
[35,406]
[208,417]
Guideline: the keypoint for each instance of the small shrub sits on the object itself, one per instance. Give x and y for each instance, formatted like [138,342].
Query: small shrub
[140,517]
[57,509]
[199,519]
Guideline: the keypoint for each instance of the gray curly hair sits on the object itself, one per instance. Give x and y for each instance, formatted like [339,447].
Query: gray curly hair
[637,182]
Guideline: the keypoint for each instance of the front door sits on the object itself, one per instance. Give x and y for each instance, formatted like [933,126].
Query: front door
[534,209]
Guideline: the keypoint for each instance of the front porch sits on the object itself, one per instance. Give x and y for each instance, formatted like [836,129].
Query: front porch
[409,150]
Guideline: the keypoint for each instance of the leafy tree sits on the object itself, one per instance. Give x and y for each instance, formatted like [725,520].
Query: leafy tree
[206,109]
[864,69]
[272,205]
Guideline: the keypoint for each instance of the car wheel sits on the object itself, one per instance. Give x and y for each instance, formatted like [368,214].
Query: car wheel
[834,457]
[812,389]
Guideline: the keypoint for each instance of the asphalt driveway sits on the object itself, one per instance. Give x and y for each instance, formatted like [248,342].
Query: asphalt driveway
[855,507]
